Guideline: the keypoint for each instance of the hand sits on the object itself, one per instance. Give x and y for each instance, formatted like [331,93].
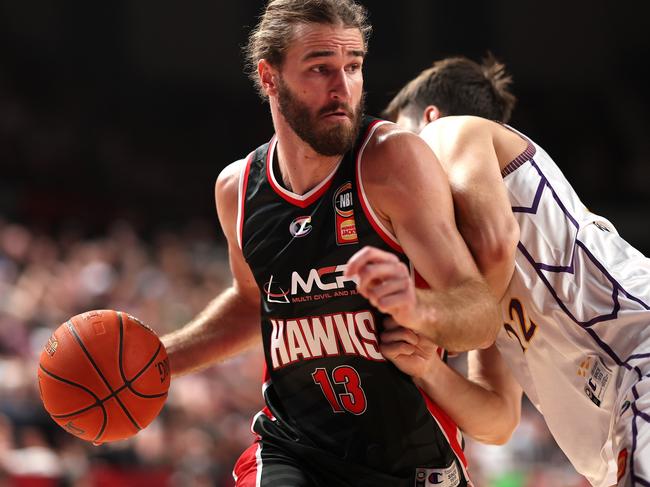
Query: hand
[386,282]
[413,354]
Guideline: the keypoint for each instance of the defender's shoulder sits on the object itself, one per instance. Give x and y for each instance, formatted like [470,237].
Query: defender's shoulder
[391,144]
[459,125]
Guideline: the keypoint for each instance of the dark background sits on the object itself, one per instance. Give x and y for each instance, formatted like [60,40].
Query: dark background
[129,109]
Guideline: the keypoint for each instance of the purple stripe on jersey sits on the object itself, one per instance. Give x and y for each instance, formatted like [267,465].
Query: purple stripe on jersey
[645,416]
[569,270]
[638,355]
[539,267]
[538,196]
[525,156]
[635,432]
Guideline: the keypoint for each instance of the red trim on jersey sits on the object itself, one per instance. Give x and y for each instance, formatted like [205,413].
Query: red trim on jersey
[265,375]
[301,203]
[447,425]
[265,380]
[420,283]
[242,200]
[247,466]
[369,216]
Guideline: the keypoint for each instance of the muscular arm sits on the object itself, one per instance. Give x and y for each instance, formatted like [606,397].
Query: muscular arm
[467,150]
[410,193]
[486,405]
[230,323]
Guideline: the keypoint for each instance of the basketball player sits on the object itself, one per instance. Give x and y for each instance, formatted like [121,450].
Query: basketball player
[308,214]
[575,311]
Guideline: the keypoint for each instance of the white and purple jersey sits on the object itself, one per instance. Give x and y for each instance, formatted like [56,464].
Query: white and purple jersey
[576,328]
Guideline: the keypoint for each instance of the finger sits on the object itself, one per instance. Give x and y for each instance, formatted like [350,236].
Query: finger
[365,256]
[373,273]
[400,335]
[375,291]
[390,323]
[394,303]
[394,350]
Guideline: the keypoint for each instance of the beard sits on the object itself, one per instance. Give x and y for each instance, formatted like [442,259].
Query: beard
[326,141]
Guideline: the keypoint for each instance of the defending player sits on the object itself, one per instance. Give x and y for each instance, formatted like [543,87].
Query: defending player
[576,310]
[307,214]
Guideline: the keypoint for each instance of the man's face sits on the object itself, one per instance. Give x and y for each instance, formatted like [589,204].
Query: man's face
[320,86]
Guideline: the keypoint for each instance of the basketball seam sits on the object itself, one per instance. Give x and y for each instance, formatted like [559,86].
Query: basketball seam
[119,363]
[129,382]
[69,382]
[98,370]
[72,330]
[99,402]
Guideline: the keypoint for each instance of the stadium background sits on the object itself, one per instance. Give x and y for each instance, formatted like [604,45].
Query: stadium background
[115,119]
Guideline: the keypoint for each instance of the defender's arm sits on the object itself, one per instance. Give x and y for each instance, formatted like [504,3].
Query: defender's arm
[409,191]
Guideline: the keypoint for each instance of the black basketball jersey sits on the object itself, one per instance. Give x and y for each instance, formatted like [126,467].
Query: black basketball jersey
[327,386]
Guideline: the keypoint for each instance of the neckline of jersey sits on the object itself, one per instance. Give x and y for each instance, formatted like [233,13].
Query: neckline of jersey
[303,200]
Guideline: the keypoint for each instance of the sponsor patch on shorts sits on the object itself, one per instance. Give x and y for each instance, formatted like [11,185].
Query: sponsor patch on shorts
[598,378]
[438,477]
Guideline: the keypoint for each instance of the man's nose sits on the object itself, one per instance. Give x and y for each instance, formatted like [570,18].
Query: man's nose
[340,86]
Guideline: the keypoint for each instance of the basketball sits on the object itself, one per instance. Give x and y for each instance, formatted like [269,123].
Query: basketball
[103,375]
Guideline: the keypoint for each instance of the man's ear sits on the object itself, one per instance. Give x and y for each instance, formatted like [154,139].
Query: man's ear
[431,113]
[268,77]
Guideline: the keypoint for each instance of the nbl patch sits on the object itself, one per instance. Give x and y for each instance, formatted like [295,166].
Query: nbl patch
[438,477]
[346,229]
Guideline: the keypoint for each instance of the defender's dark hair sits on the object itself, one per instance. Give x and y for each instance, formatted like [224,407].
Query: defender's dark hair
[274,32]
[458,86]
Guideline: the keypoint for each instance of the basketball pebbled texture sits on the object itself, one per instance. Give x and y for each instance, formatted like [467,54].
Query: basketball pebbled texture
[103,375]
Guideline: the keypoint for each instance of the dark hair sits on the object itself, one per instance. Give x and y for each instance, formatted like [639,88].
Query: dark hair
[458,86]
[274,32]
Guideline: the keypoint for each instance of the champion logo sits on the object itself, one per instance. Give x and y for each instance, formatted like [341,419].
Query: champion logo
[301,226]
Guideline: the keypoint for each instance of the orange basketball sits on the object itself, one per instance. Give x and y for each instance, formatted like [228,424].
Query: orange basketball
[103,375]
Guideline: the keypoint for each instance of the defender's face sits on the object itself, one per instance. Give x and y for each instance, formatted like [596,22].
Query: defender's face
[320,90]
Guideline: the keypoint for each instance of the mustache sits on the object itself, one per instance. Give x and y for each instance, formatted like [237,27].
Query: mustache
[337,107]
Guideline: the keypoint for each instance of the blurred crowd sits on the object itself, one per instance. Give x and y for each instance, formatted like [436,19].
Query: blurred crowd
[164,278]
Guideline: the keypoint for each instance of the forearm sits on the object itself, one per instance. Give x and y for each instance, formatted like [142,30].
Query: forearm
[460,318]
[480,413]
[227,326]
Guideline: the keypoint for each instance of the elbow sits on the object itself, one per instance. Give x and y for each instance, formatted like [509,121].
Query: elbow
[504,434]
[497,249]
[501,434]
[495,439]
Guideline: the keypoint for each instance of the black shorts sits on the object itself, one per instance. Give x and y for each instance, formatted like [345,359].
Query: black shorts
[266,464]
